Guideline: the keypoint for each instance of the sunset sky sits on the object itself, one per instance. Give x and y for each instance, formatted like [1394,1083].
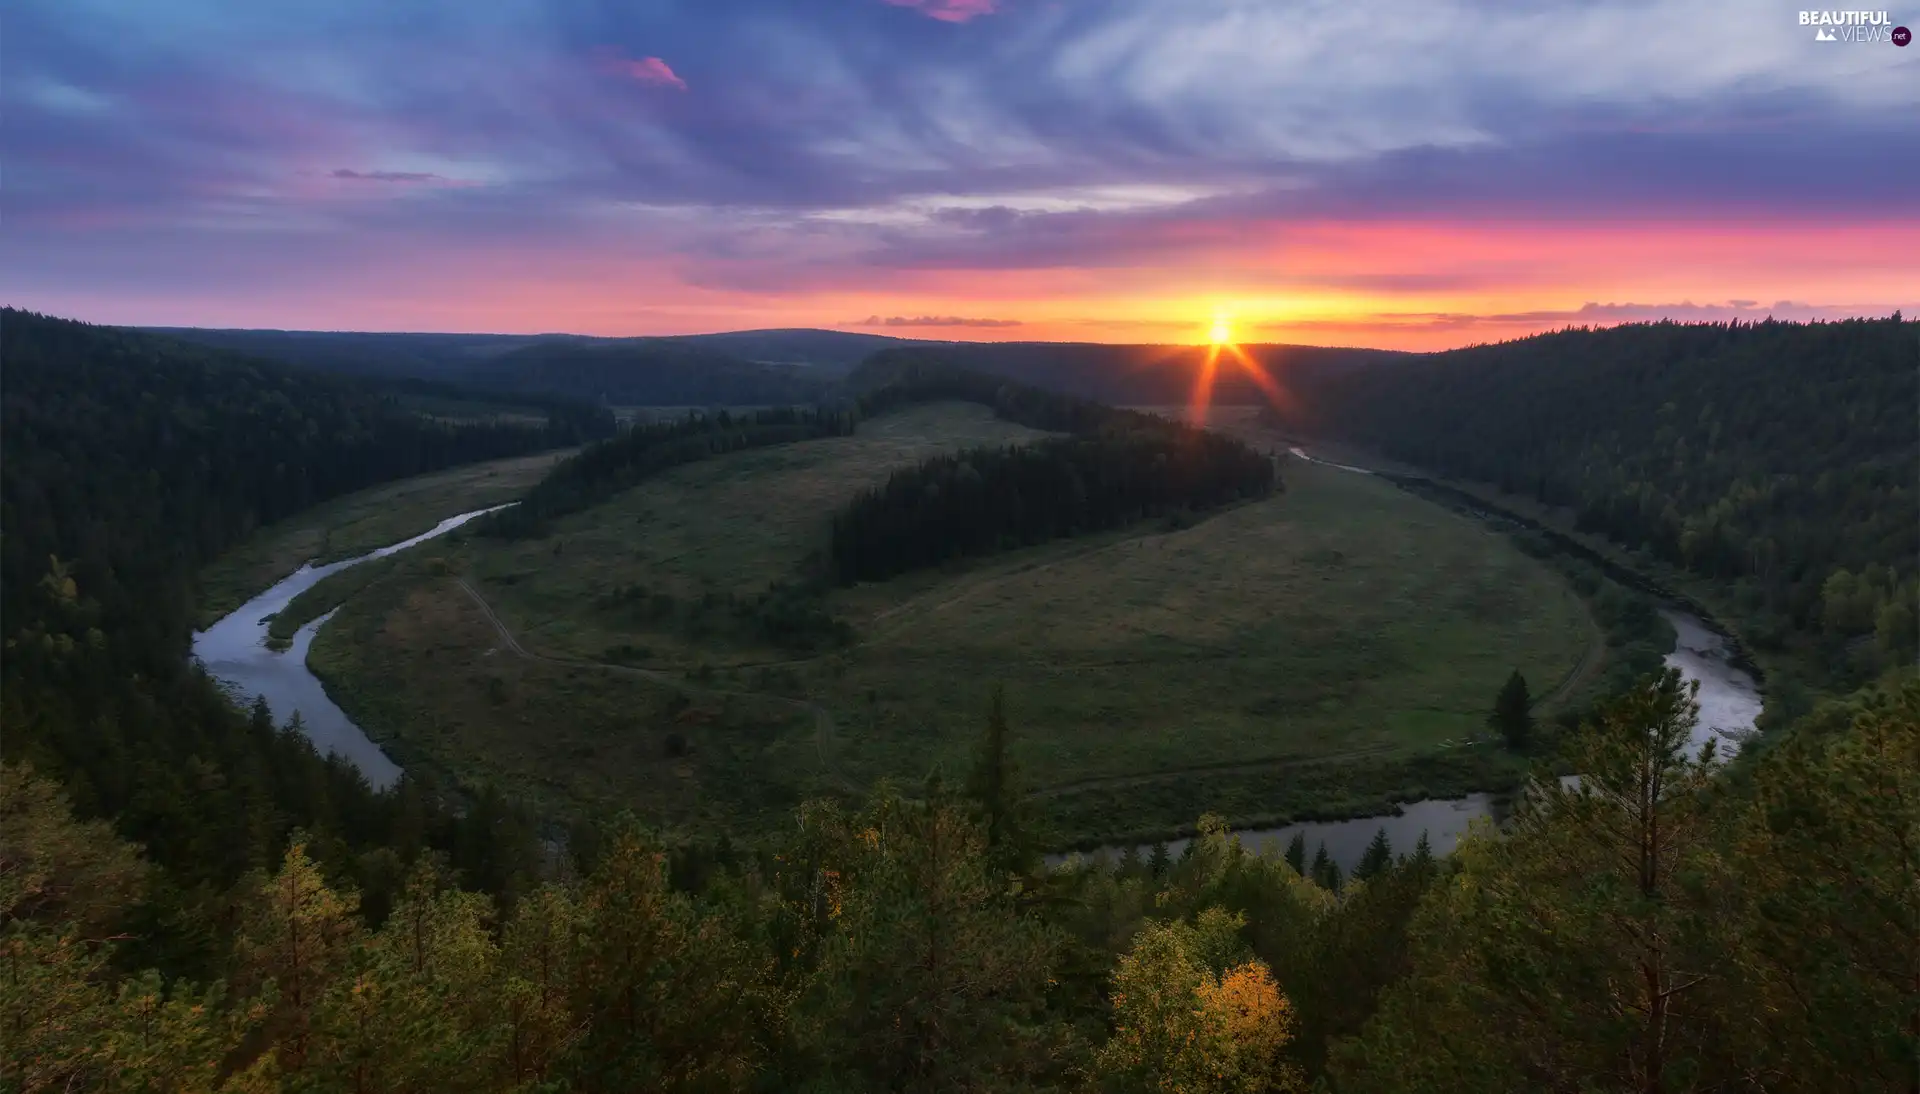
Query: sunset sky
[1407,173]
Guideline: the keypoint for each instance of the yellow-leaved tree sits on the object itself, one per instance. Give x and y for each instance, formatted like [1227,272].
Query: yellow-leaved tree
[1194,1013]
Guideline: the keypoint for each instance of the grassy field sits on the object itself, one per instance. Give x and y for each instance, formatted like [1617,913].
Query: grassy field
[360,522]
[1325,651]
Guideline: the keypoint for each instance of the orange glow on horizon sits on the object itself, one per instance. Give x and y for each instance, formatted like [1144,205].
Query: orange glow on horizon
[1404,284]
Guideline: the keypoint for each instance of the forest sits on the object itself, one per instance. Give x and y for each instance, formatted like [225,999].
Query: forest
[602,470]
[989,499]
[192,899]
[1660,928]
[129,462]
[1775,459]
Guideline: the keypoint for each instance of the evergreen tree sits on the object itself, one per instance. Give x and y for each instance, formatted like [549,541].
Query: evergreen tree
[1297,853]
[1160,861]
[1326,871]
[1423,850]
[1512,715]
[1378,856]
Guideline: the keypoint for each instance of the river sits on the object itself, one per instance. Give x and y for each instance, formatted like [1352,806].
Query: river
[234,652]
[1729,700]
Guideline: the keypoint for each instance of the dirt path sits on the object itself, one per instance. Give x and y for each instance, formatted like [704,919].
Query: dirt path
[823,725]
[1589,665]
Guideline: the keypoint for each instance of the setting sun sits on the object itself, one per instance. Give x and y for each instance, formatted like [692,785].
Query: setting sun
[1221,333]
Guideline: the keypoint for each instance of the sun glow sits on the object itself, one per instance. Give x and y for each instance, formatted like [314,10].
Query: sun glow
[1221,332]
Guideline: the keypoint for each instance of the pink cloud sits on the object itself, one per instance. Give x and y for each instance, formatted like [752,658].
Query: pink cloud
[949,11]
[647,70]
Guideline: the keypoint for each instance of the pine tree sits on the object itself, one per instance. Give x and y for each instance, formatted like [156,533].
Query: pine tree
[1160,861]
[992,783]
[1378,857]
[1297,853]
[1423,851]
[1512,715]
[1325,870]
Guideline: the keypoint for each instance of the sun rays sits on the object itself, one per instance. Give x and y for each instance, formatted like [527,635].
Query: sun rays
[1220,345]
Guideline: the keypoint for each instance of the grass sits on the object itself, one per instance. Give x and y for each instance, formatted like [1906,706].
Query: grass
[358,523]
[1326,651]
[414,660]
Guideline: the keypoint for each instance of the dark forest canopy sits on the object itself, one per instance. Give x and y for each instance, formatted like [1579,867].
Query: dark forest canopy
[1776,457]
[647,373]
[1662,928]
[764,367]
[989,499]
[602,470]
[1115,467]
[130,461]
[1150,375]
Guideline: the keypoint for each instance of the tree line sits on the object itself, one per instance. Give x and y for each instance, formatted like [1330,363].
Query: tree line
[1661,928]
[988,499]
[127,462]
[1776,458]
[603,470]
[1115,468]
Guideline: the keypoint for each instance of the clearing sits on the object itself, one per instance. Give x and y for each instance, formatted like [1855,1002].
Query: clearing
[1324,651]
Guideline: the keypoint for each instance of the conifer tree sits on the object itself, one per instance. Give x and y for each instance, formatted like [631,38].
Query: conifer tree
[1378,856]
[1512,715]
[1297,853]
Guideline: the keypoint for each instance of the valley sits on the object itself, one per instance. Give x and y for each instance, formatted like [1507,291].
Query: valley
[1326,651]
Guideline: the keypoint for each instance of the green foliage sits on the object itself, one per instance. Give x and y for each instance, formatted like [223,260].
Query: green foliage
[602,470]
[985,500]
[1775,458]
[1194,1012]
[129,462]
[1657,928]
[1512,716]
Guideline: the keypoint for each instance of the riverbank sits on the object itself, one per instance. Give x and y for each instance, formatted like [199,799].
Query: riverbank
[238,651]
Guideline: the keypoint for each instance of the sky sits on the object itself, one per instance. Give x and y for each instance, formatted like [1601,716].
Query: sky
[1399,173]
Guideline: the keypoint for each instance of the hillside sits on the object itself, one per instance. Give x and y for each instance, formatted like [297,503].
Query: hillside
[766,366]
[1775,459]
[646,373]
[127,462]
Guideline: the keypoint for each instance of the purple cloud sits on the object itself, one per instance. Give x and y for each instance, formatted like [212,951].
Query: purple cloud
[646,70]
[387,176]
[949,11]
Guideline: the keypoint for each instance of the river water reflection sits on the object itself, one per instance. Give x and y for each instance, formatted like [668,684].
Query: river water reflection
[1729,704]
[234,652]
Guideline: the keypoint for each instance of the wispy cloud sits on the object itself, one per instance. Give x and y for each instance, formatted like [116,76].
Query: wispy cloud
[1430,167]
[1592,314]
[949,11]
[931,321]
[387,176]
[646,70]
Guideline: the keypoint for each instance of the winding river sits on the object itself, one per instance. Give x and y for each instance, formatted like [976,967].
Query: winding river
[234,652]
[1729,701]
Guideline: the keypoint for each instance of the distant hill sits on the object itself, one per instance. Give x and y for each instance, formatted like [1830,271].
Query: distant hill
[446,357]
[646,373]
[1777,458]
[1149,375]
[758,366]
[831,351]
[462,356]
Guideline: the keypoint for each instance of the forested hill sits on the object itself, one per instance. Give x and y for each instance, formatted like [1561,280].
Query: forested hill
[128,461]
[1143,375]
[1777,457]
[766,367]
[647,373]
